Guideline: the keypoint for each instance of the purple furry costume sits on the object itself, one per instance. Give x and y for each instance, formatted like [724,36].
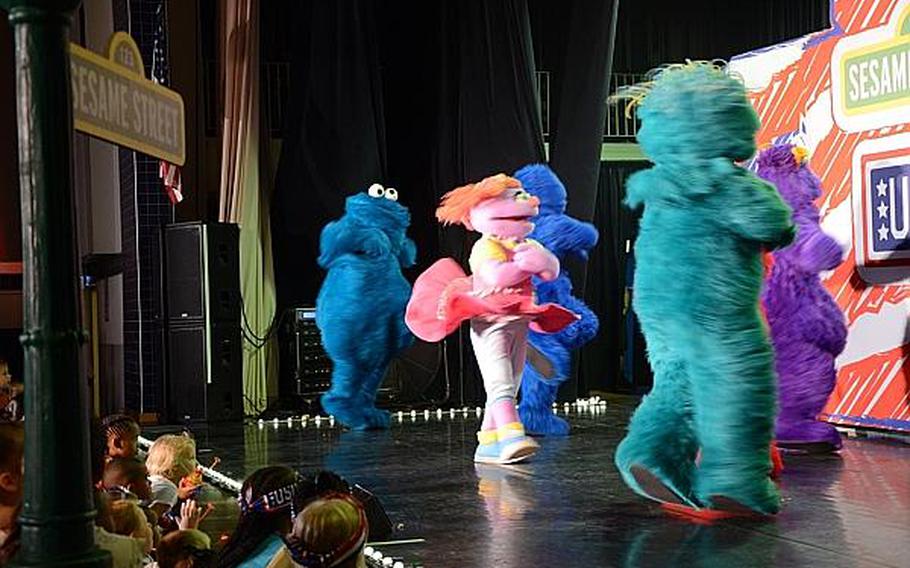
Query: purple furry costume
[807,328]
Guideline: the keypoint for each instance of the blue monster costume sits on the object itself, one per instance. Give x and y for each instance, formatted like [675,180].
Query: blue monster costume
[698,276]
[550,355]
[360,308]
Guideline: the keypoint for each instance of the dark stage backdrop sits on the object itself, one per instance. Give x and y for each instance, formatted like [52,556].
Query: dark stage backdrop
[652,33]
[334,140]
[615,359]
[423,96]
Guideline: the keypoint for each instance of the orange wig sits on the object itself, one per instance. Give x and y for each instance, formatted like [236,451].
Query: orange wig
[456,205]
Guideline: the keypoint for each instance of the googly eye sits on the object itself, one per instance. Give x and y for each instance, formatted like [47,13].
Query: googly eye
[376,190]
[391,194]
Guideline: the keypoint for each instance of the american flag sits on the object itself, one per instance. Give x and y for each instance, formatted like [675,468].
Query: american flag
[168,172]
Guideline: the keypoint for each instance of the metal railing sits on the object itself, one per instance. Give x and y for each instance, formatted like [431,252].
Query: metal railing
[619,127]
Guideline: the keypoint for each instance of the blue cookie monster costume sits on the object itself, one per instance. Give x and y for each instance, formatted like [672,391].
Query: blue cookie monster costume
[550,355]
[360,307]
[698,276]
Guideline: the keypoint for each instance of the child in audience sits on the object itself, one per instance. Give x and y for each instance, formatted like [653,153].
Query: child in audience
[170,459]
[122,433]
[126,551]
[128,519]
[128,476]
[185,548]
[11,475]
[330,532]
[269,500]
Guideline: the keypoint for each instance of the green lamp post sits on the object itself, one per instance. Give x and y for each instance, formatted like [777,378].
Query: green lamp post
[57,518]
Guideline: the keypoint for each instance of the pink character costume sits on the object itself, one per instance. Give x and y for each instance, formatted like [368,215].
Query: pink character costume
[498,299]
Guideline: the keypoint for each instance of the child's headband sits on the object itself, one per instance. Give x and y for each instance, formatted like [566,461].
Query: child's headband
[275,500]
[341,553]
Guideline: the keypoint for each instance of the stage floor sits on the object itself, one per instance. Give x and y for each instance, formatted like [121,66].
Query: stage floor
[569,508]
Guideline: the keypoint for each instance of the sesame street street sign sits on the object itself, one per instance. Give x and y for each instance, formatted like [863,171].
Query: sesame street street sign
[870,76]
[113,100]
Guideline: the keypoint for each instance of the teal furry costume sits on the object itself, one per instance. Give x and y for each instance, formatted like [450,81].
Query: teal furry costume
[360,307]
[697,283]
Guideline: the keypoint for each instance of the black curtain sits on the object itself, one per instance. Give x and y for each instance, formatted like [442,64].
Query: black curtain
[602,360]
[580,83]
[577,51]
[654,33]
[423,96]
[334,140]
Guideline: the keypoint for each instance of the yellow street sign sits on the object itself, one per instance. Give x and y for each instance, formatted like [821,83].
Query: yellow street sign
[113,100]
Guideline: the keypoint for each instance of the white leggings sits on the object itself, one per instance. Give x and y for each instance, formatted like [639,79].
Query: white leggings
[500,348]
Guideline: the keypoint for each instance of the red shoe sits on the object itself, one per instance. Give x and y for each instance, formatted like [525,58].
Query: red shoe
[705,516]
[777,462]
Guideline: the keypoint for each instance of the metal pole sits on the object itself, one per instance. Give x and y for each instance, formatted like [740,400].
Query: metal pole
[58,513]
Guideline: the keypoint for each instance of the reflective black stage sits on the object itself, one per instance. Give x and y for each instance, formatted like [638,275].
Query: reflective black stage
[569,508]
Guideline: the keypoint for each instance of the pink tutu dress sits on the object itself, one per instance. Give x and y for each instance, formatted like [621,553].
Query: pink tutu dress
[444,296]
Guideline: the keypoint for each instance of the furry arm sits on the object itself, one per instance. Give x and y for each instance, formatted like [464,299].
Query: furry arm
[817,251]
[827,333]
[340,238]
[756,212]
[407,256]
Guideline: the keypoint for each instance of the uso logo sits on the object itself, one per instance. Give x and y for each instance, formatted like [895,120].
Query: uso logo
[881,201]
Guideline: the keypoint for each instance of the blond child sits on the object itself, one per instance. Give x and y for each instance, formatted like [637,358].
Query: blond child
[170,459]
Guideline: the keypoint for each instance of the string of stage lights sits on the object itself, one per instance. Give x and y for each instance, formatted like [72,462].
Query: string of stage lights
[593,405]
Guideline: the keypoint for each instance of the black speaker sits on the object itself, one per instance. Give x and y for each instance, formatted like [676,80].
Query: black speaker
[202,303]
[202,272]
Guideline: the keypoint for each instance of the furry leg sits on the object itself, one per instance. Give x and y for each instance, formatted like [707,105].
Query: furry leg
[344,400]
[539,391]
[376,418]
[657,457]
[536,408]
[733,390]
[802,398]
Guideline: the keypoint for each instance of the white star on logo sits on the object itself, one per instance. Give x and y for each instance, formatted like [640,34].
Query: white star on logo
[883,233]
[882,210]
[881,187]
